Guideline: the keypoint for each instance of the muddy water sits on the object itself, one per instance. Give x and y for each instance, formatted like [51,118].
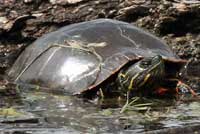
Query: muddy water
[45,113]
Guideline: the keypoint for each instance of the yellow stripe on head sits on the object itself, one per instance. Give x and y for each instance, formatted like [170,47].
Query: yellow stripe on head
[126,80]
[145,80]
[122,75]
[132,80]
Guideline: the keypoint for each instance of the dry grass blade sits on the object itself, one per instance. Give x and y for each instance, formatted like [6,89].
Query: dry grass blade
[133,105]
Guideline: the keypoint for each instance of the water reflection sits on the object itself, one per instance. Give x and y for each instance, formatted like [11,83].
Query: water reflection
[41,110]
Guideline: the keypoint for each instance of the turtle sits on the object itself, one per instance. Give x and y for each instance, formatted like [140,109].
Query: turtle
[82,56]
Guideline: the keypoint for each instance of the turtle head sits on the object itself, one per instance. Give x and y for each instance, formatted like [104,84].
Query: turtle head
[145,73]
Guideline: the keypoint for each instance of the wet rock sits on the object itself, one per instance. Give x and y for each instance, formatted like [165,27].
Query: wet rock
[7,2]
[134,11]
[17,23]
[4,23]
[189,1]
[3,20]
[28,1]
[64,2]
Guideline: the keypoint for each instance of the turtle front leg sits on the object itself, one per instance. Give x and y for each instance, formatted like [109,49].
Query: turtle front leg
[174,87]
[182,88]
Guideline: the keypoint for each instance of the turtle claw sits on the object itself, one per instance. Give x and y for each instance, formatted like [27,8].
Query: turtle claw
[183,88]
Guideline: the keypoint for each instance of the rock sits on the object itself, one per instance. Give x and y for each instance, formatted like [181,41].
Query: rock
[181,7]
[4,23]
[64,2]
[3,20]
[28,1]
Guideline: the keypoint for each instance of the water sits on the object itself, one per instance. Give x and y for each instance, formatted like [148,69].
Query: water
[45,113]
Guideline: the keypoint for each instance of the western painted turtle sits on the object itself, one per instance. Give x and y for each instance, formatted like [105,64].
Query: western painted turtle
[81,56]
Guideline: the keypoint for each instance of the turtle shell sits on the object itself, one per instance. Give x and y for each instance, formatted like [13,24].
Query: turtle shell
[81,56]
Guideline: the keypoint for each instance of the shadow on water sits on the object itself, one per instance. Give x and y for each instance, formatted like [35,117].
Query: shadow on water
[41,112]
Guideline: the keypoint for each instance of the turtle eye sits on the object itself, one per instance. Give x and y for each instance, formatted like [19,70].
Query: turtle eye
[145,63]
[156,59]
